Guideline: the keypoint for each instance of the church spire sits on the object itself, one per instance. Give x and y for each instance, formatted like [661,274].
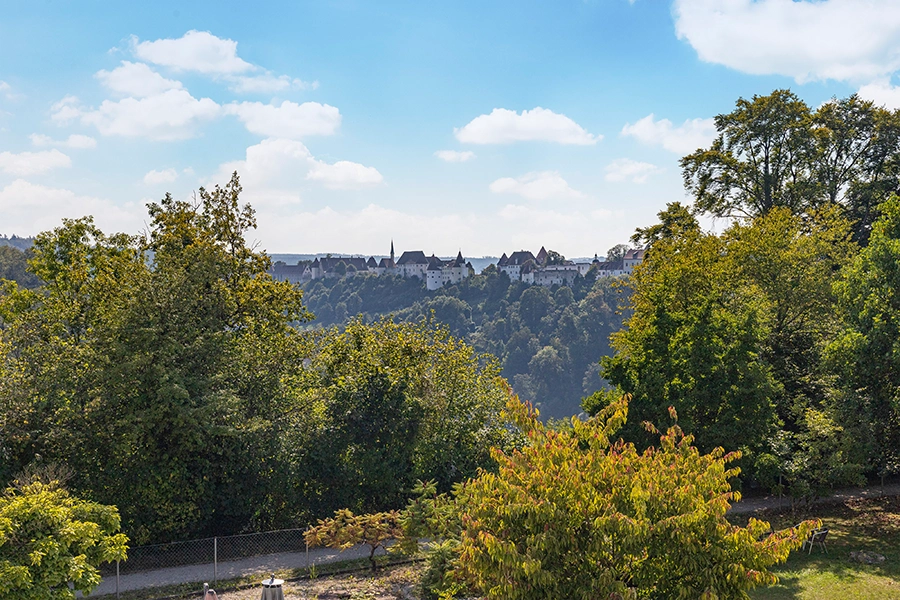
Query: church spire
[392,250]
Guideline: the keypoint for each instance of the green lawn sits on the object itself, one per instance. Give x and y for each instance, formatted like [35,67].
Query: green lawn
[872,525]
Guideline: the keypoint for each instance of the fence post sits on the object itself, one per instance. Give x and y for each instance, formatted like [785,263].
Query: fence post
[117,580]
[216,561]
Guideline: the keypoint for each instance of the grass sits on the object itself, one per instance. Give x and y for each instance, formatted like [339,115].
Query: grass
[872,524]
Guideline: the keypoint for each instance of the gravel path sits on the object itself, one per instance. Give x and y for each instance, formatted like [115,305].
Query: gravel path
[754,504]
[288,560]
[227,570]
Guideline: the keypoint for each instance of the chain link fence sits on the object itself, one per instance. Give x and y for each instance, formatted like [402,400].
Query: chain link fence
[211,559]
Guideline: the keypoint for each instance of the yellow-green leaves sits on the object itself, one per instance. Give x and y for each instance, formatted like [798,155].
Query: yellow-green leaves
[346,530]
[49,539]
[576,514]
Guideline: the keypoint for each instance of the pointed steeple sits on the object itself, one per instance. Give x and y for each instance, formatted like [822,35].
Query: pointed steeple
[392,250]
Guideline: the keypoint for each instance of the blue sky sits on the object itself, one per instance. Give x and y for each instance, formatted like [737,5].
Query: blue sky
[482,126]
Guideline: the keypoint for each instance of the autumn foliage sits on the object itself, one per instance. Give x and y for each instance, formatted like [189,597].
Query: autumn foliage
[576,514]
[345,530]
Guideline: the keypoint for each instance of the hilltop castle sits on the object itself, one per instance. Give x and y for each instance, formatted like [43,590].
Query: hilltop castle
[412,263]
[547,268]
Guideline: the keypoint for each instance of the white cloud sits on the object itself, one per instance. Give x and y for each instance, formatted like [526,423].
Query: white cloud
[65,110]
[198,51]
[882,93]
[455,155]
[504,126]
[171,115]
[846,40]
[155,177]
[625,169]
[684,139]
[8,92]
[33,163]
[344,175]
[288,120]
[136,79]
[268,83]
[274,172]
[566,229]
[28,209]
[371,228]
[80,142]
[543,185]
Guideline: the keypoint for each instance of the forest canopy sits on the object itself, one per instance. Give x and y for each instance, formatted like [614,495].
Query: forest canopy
[166,373]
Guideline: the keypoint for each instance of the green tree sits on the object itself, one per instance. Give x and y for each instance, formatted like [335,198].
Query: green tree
[674,222]
[775,151]
[14,266]
[576,514]
[346,530]
[758,161]
[617,252]
[554,258]
[50,539]
[857,158]
[381,405]
[534,304]
[692,342]
[867,354]
[140,353]
[730,330]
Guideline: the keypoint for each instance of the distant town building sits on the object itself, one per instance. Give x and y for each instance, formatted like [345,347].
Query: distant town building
[433,271]
[436,273]
[526,267]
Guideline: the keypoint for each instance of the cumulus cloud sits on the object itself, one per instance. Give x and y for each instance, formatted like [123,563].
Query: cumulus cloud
[66,110]
[845,40]
[882,93]
[504,126]
[287,120]
[171,115]
[136,79]
[80,142]
[268,83]
[28,208]
[198,51]
[543,185]
[24,164]
[344,175]
[454,155]
[625,169]
[275,170]
[155,177]
[684,139]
